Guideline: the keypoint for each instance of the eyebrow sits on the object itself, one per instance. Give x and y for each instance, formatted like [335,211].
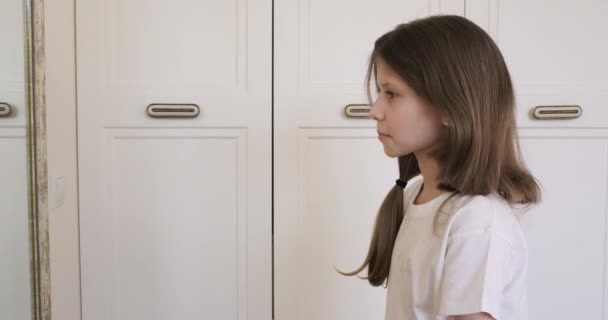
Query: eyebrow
[385,83]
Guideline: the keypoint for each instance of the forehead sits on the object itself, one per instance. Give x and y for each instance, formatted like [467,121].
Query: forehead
[385,75]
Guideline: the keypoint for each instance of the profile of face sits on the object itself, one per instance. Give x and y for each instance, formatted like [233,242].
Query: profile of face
[406,123]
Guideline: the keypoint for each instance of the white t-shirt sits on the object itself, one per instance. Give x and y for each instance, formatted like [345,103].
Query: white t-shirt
[478,262]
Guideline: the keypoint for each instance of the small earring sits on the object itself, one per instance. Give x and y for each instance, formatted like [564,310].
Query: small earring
[445,123]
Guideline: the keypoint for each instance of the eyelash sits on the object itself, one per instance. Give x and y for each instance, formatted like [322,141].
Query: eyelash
[390,93]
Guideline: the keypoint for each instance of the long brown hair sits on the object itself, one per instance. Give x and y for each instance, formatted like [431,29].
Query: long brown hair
[457,67]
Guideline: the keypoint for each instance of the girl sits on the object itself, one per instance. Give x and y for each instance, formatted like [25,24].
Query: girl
[449,245]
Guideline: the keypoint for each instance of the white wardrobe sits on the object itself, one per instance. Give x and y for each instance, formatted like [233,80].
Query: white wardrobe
[221,178]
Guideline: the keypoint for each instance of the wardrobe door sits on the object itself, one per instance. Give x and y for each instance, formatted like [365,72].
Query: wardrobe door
[556,52]
[174,146]
[15,237]
[330,171]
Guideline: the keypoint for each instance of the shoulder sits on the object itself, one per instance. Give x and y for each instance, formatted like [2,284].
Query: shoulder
[486,214]
[485,259]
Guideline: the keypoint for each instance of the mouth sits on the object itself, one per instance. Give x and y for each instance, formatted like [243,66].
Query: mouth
[383,134]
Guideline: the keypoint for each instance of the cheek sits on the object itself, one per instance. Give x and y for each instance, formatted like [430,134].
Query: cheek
[418,129]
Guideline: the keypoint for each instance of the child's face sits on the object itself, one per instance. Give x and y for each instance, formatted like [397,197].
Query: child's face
[405,122]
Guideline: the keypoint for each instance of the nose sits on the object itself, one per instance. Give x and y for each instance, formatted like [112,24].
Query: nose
[376,111]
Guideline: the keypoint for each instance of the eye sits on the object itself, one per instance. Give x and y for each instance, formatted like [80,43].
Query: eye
[389,93]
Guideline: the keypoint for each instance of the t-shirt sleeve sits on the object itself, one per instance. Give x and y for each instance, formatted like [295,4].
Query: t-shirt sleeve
[476,271]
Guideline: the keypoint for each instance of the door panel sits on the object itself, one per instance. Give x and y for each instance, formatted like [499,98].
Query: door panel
[567,232]
[15,269]
[175,213]
[330,172]
[555,55]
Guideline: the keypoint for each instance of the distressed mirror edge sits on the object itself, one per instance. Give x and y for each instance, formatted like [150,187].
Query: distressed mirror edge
[37,168]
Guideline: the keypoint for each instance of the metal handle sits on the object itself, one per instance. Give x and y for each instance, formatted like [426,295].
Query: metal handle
[557,112]
[357,110]
[173,110]
[5,110]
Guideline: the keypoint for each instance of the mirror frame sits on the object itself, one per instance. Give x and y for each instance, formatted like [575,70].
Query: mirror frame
[37,167]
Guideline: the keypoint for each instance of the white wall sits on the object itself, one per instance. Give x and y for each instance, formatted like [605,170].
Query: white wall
[62,160]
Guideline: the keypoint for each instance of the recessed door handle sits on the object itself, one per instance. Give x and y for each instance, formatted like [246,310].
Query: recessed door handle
[557,112]
[173,110]
[5,109]
[357,110]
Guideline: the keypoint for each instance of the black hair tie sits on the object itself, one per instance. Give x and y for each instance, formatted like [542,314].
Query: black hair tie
[401,183]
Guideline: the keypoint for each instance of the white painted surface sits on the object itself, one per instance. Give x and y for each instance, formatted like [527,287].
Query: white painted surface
[61,157]
[15,287]
[175,214]
[554,57]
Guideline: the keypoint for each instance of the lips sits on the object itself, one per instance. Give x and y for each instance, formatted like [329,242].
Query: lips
[383,134]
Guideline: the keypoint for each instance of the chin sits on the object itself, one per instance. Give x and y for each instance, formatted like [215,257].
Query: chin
[391,153]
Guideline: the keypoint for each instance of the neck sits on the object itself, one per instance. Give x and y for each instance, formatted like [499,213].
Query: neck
[430,169]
